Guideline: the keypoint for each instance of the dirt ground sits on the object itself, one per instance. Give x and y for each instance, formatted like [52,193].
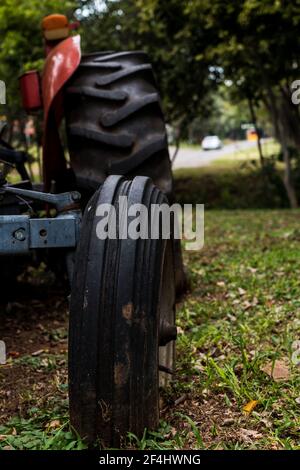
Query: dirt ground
[34,329]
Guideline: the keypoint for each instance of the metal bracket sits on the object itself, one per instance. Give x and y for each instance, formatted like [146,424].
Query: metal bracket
[60,201]
[19,233]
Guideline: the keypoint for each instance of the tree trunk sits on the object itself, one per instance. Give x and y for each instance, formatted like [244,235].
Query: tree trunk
[254,120]
[181,130]
[175,151]
[287,179]
[280,131]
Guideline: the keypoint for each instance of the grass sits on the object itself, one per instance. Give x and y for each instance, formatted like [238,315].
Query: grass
[33,434]
[243,311]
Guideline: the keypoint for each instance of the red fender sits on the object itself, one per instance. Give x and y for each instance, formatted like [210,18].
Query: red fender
[60,64]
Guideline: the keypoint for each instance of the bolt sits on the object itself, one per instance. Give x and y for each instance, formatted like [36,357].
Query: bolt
[76,196]
[19,234]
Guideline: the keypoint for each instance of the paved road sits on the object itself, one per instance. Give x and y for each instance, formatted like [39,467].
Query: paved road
[192,158]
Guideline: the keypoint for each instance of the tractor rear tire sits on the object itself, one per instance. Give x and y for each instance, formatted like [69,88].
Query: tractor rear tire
[114,121]
[115,125]
[122,301]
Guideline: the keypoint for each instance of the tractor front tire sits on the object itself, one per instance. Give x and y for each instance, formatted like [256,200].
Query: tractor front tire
[122,317]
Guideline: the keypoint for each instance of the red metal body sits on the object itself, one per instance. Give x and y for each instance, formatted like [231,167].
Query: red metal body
[61,63]
[31,91]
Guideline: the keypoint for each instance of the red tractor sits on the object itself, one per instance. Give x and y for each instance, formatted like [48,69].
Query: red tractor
[122,303]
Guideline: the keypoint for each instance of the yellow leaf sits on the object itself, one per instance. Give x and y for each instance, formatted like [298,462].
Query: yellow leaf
[250,406]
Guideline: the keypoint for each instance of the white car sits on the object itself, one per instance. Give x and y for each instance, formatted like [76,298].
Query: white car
[211,142]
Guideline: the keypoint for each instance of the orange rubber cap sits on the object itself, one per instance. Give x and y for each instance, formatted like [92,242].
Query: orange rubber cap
[55,21]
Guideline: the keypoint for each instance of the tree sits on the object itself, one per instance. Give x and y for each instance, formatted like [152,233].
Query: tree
[256,45]
[21,40]
[159,28]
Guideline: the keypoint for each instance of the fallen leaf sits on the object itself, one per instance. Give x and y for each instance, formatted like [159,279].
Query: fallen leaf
[252,270]
[278,370]
[231,317]
[38,352]
[248,434]
[296,344]
[241,291]
[266,422]
[297,400]
[14,354]
[180,399]
[54,424]
[247,305]
[250,406]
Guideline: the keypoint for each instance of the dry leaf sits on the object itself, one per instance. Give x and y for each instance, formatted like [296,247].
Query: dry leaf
[278,370]
[247,305]
[241,291]
[14,354]
[252,270]
[250,406]
[37,353]
[266,422]
[248,434]
[296,345]
[54,424]
[231,317]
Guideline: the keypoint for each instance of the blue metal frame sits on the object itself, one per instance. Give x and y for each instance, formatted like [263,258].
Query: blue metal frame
[19,233]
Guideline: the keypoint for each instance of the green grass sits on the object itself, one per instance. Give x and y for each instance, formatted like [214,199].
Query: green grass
[242,312]
[41,430]
[245,311]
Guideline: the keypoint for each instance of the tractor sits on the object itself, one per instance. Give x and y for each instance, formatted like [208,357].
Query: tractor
[122,291]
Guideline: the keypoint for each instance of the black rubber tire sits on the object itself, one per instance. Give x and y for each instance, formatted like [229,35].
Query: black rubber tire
[114,121]
[116,307]
[115,125]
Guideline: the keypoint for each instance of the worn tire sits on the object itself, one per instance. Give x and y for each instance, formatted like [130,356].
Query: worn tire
[122,290]
[114,121]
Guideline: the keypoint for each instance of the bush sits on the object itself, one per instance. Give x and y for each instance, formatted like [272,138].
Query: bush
[227,189]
